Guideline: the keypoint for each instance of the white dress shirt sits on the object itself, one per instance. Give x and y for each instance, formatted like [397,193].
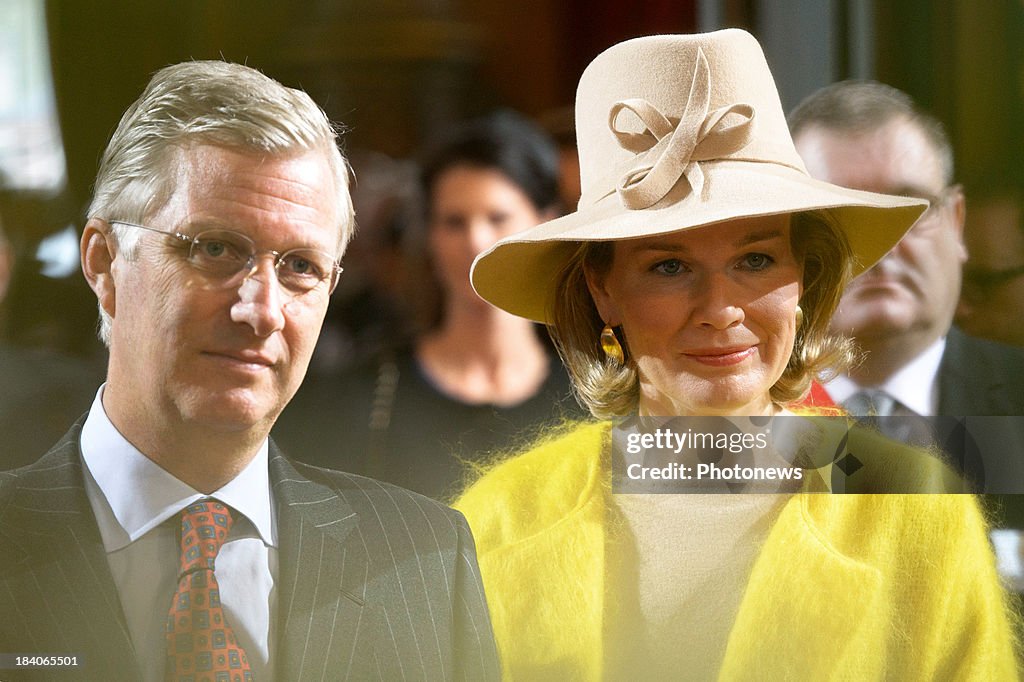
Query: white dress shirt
[915,385]
[136,505]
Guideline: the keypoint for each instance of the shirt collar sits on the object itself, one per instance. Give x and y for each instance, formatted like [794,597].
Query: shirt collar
[915,385]
[139,495]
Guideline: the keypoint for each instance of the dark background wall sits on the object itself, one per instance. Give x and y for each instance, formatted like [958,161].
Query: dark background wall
[394,72]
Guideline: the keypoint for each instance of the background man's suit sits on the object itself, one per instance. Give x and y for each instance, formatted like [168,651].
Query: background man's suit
[978,377]
[356,558]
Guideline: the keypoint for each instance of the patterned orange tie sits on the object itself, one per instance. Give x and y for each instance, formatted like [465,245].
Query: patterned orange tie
[201,646]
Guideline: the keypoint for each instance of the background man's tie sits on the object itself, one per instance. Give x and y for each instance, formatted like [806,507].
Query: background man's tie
[898,421]
[870,403]
[201,645]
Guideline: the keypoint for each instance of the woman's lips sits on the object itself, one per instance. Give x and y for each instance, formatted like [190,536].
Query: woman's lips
[723,357]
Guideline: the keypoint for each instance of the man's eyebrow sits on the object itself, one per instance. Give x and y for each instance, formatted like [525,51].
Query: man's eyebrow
[204,223]
[915,192]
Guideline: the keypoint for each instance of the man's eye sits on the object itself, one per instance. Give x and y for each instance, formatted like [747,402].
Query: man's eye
[217,249]
[672,266]
[213,249]
[297,265]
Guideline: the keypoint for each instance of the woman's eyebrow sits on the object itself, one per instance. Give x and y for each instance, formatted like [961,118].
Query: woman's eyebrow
[755,237]
[662,246]
[745,240]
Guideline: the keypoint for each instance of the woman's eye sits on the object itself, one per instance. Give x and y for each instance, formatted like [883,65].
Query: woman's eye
[670,267]
[450,223]
[757,261]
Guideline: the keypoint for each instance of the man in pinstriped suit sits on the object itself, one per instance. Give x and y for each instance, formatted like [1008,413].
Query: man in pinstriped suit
[220,213]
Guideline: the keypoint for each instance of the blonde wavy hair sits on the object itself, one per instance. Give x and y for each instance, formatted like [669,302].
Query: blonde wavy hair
[608,389]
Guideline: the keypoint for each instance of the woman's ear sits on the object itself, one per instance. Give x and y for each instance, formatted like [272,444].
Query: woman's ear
[603,299]
[98,252]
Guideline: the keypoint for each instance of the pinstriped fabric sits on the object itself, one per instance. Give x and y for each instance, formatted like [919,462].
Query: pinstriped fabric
[374,582]
[391,588]
[56,592]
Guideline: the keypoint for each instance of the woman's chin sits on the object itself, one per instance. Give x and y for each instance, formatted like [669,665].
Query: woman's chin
[709,400]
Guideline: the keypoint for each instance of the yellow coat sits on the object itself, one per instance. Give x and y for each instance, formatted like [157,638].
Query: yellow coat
[846,587]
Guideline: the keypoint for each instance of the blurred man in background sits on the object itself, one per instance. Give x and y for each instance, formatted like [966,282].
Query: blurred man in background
[870,136]
[992,298]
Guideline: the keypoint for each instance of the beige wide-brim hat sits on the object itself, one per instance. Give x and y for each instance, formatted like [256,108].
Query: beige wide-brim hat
[677,132]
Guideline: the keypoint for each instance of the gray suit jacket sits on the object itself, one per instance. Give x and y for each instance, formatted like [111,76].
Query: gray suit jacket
[978,377]
[374,582]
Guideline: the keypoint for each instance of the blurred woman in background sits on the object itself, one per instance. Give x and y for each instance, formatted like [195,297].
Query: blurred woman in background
[477,378]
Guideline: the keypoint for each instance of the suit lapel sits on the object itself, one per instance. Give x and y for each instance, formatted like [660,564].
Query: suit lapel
[55,568]
[323,578]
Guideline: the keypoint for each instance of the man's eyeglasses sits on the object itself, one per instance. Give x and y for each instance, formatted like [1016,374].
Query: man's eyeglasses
[232,258]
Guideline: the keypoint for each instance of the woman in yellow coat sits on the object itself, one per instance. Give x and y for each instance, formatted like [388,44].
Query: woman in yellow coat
[697,277]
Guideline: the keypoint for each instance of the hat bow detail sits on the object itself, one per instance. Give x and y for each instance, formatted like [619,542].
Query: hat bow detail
[668,151]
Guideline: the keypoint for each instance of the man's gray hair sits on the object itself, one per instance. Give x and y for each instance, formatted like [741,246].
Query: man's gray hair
[206,102]
[858,106]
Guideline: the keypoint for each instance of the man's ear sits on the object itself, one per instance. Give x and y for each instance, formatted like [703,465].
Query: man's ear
[98,252]
[958,206]
[606,307]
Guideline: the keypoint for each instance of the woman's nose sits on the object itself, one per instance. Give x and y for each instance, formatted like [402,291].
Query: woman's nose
[481,235]
[715,304]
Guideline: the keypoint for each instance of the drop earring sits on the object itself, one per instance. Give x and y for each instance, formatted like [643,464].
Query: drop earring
[611,346]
